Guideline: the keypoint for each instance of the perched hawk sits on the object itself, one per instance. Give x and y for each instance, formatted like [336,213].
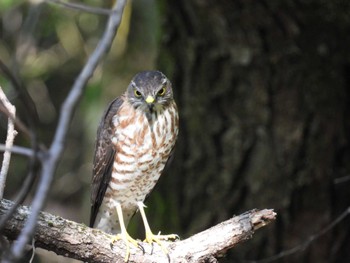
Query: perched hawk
[135,138]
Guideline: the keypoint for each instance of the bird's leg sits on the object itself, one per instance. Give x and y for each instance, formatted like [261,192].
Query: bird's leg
[150,237]
[124,235]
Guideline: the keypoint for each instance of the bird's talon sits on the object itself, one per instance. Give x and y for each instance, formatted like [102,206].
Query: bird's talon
[151,239]
[142,248]
[127,240]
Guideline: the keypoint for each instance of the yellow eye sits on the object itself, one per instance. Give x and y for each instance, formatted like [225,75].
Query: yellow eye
[161,92]
[137,93]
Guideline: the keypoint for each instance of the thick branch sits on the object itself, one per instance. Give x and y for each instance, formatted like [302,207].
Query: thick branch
[78,241]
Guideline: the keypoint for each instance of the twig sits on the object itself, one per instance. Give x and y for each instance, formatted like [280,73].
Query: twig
[19,124]
[52,157]
[79,7]
[33,251]
[78,241]
[19,150]
[30,112]
[28,183]
[304,245]
[31,117]
[11,134]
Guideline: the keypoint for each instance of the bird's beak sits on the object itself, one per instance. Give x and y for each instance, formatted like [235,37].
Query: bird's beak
[149,99]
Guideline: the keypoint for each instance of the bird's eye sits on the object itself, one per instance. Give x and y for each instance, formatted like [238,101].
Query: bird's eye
[161,92]
[137,93]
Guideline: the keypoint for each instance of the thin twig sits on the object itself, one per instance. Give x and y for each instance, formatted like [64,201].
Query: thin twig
[31,117]
[25,41]
[19,124]
[30,112]
[19,150]
[304,245]
[33,251]
[26,186]
[83,8]
[51,159]
[11,134]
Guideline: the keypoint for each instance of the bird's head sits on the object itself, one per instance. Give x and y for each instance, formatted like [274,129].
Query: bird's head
[150,91]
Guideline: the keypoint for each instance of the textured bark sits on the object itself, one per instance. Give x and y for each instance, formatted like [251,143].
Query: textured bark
[264,98]
[78,241]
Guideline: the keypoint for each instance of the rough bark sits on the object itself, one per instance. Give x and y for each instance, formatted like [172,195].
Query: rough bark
[263,94]
[78,241]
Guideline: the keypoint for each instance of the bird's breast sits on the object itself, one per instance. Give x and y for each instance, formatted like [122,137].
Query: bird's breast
[142,150]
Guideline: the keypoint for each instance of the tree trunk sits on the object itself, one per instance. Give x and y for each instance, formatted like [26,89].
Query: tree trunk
[263,91]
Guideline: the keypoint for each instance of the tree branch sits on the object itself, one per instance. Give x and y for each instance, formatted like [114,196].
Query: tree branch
[78,241]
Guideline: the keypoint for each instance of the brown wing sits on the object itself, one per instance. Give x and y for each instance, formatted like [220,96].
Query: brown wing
[103,159]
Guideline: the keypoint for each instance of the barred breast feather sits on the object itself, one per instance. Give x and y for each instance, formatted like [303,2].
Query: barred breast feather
[142,145]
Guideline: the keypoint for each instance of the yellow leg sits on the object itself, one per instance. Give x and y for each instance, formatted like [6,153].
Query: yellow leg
[124,235]
[150,237]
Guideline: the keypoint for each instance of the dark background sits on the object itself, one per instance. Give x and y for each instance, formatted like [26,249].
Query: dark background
[263,90]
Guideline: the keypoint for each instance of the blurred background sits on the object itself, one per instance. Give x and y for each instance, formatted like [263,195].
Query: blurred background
[263,90]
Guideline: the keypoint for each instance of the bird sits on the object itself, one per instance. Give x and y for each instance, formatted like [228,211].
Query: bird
[135,139]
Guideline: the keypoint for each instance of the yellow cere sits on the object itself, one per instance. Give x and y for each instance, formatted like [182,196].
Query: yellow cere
[149,99]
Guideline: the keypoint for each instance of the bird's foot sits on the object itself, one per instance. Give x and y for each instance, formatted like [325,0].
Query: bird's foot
[152,238]
[128,240]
